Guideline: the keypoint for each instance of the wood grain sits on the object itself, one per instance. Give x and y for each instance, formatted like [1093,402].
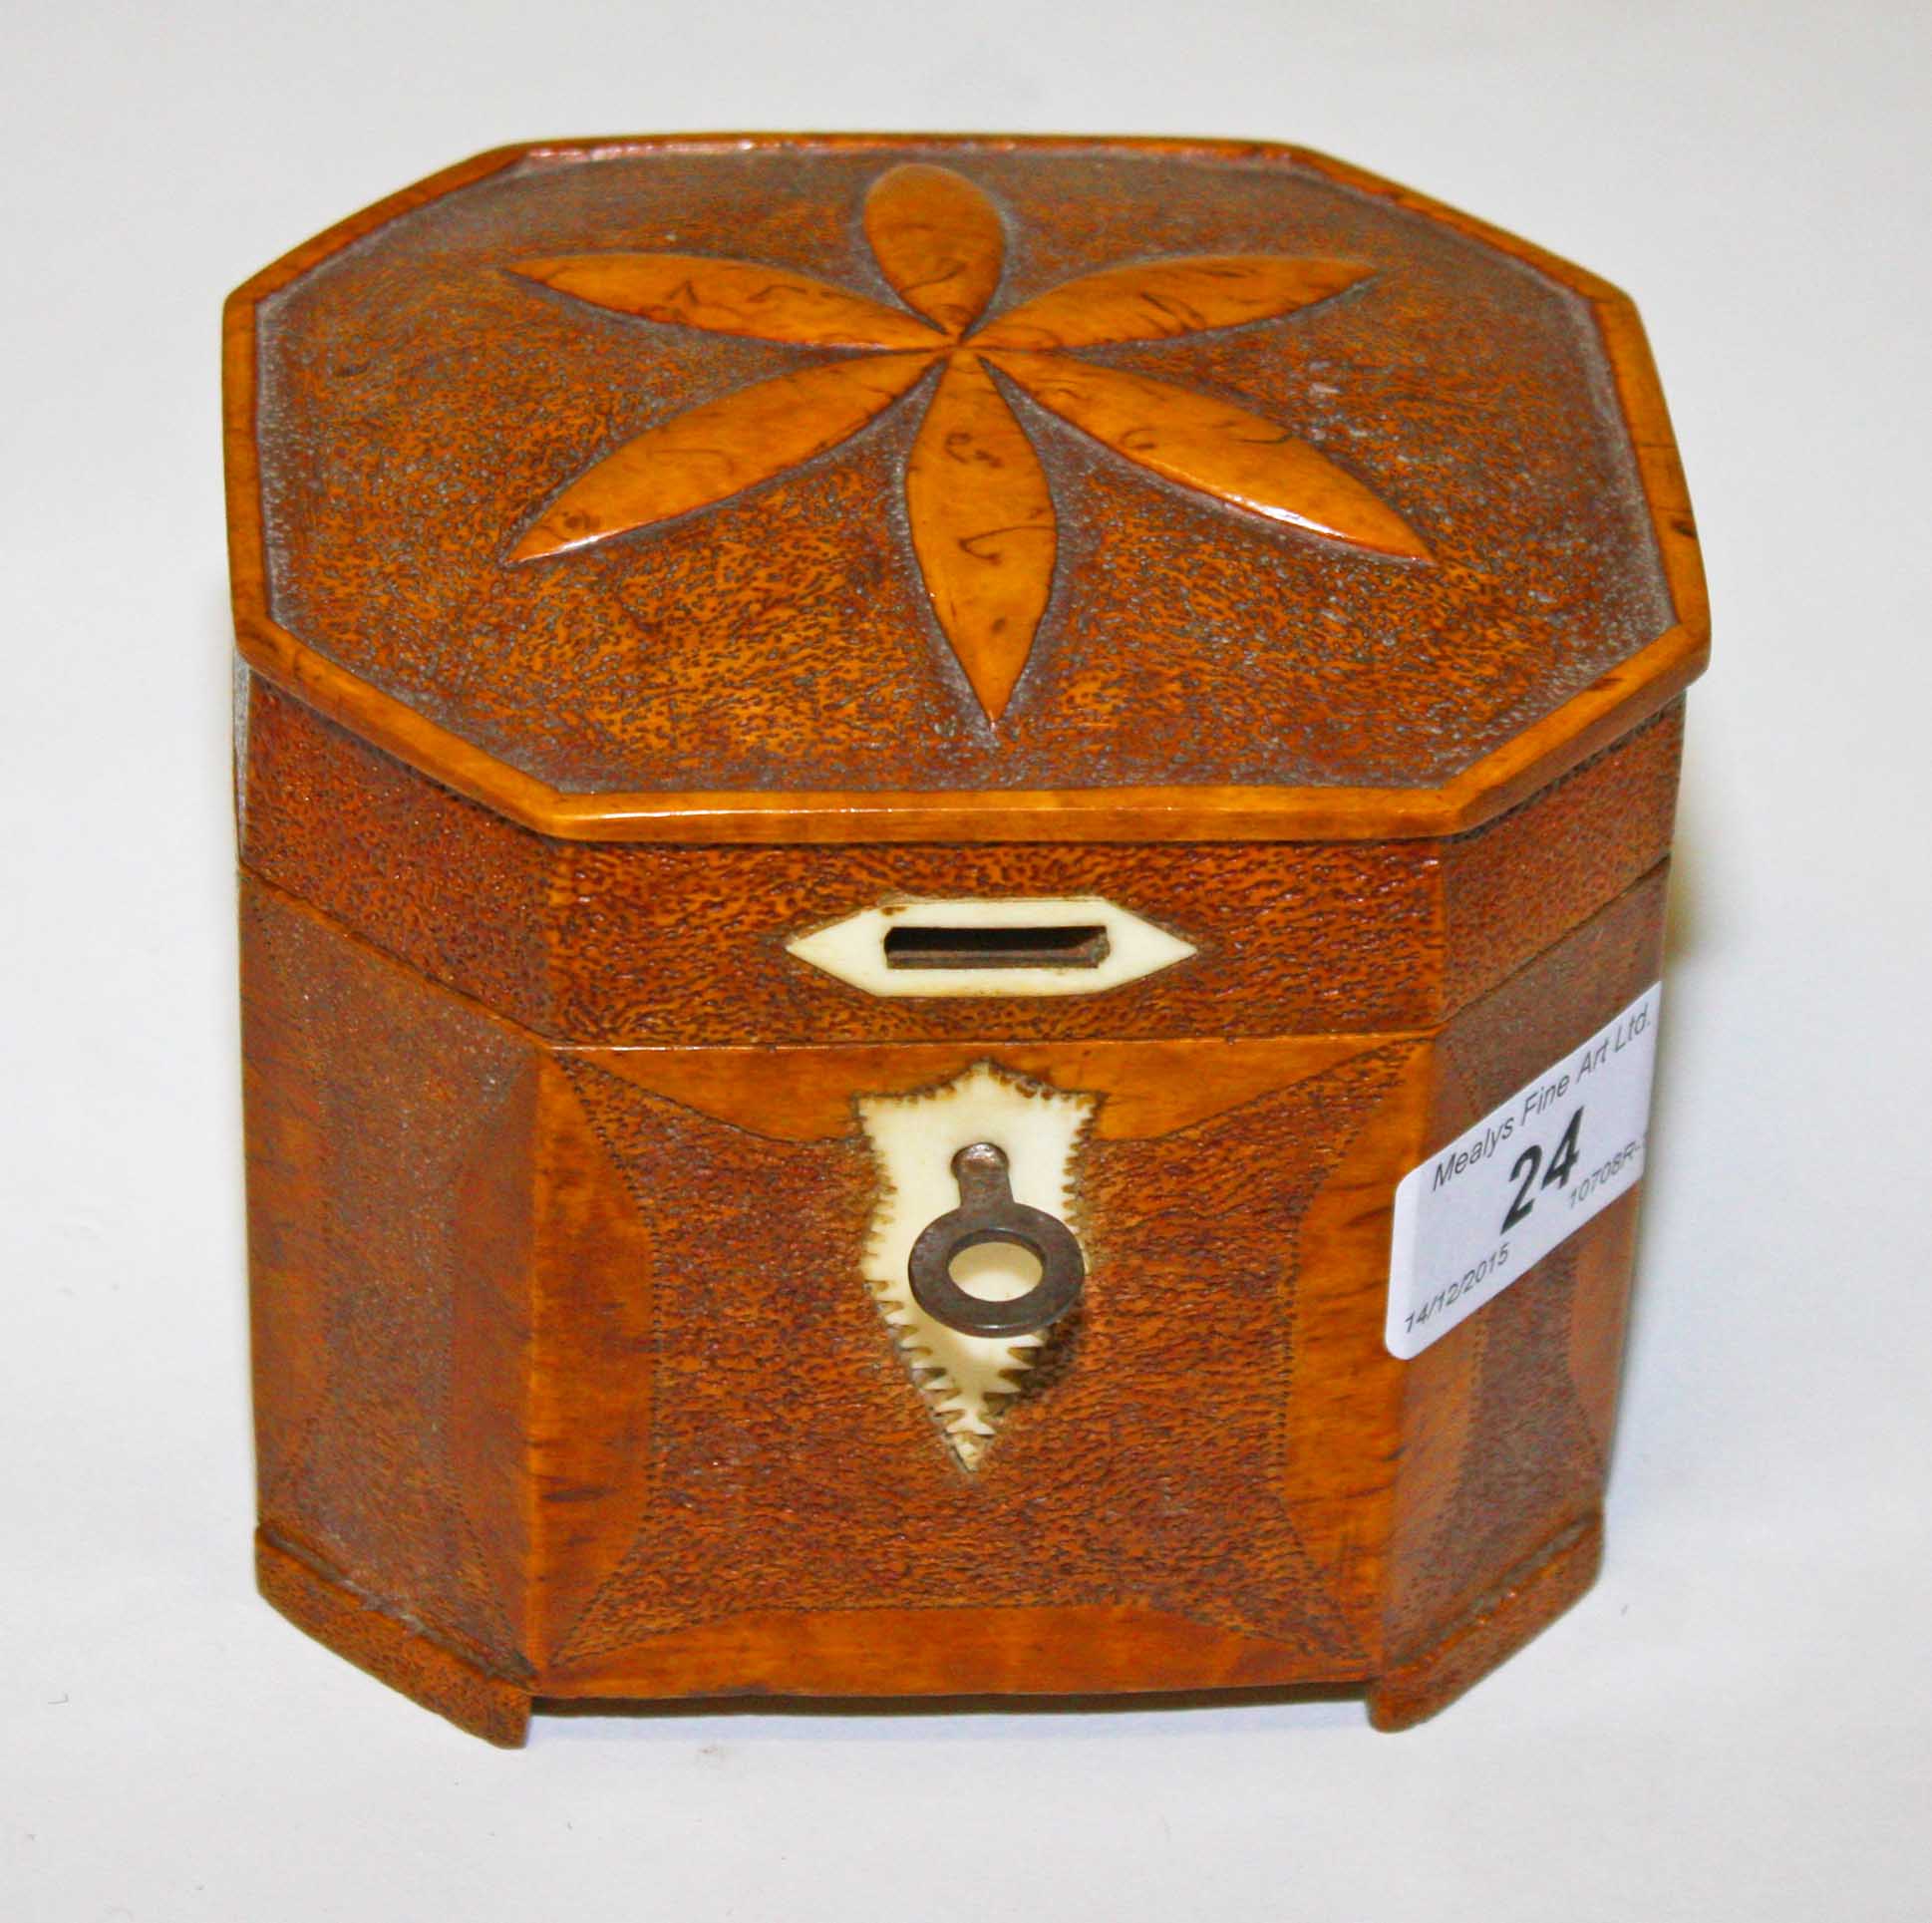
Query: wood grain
[376,1640]
[712,453]
[729,297]
[1156,300]
[1147,1088]
[938,240]
[983,529]
[1223,451]
[818,817]
[1520,1607]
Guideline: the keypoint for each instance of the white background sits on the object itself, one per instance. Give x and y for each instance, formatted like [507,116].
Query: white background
[1734,1724]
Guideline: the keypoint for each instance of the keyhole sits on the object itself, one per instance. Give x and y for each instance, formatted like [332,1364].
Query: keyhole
[996,1271]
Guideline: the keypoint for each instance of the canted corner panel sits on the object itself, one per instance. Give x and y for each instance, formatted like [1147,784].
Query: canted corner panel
[1071,945]
[968,1381]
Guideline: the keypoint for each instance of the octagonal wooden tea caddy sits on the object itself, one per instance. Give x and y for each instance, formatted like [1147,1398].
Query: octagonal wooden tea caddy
[885,787]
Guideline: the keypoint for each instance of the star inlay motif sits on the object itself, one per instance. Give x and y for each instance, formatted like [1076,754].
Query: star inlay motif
[978,502]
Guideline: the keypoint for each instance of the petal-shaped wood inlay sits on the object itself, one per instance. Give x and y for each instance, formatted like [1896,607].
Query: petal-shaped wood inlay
[982,527]
[1153,300]
[729,297]
[1206,443]
[706,456]
[938,241]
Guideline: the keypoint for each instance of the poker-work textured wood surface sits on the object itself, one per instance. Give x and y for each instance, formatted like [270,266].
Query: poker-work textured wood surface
[648,553]
[669,490]
[638,946]
[580,1378]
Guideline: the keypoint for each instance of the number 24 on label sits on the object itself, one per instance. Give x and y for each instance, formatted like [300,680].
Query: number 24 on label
[1526,1166]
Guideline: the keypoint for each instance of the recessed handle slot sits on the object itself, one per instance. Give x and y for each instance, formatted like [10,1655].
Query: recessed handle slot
[1048,945]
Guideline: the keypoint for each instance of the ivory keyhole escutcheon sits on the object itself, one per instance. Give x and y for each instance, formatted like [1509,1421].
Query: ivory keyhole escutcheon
[967,1377]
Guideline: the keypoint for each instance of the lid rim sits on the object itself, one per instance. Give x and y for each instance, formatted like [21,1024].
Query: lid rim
[1615,704]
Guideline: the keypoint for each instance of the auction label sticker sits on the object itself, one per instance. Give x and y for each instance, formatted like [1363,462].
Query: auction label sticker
[1528,1176]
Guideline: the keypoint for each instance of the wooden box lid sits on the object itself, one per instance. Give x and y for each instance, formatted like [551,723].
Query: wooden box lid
[859,488]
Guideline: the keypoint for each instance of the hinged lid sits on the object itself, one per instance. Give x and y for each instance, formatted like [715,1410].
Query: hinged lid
[920,489]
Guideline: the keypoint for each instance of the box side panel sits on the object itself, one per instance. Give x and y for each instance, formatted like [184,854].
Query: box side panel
[389,1186]
[1512,889]
[673,945]
[1507,1418]
[1188,1490]
[458,892]
[620,944]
